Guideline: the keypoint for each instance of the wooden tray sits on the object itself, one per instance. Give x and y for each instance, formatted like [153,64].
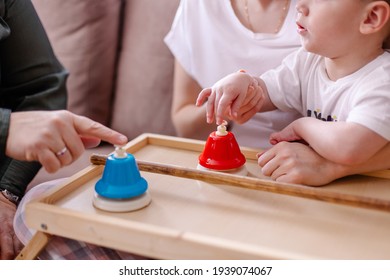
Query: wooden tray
[191,219]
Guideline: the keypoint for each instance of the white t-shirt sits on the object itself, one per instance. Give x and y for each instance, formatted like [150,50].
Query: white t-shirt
[302,84]
[210,42]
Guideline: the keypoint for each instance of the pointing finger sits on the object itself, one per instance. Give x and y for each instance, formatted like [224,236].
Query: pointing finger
[89,128]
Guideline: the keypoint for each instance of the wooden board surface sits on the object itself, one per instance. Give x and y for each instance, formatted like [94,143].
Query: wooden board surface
[190,219]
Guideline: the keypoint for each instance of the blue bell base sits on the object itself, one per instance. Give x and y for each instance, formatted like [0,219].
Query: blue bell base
[121,205]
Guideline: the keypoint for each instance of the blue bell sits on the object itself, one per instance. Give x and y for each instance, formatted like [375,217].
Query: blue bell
[121,184]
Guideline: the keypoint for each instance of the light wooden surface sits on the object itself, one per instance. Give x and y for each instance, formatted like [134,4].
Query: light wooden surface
[191,219]
[253,183]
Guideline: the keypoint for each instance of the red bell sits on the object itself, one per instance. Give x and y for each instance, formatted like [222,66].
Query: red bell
[221,152]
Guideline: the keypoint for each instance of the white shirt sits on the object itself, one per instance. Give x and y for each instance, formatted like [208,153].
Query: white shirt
[210,42]
[302,84]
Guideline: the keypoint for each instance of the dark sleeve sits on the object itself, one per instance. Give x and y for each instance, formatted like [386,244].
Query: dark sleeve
[31,79]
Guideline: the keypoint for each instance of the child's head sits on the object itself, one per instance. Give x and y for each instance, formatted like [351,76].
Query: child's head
[335,27]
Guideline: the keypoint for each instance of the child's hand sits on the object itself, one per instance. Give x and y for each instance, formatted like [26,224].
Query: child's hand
[234,97]
[287,134]
[251,105]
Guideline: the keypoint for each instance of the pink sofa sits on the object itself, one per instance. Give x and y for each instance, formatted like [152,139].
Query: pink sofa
[120,69]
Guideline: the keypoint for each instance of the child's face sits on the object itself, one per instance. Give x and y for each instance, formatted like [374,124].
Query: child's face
[329,27]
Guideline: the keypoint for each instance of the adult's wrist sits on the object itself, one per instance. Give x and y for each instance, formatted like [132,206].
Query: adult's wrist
[5,116]
[10,196]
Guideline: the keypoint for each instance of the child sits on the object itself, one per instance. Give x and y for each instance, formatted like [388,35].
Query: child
[340,81]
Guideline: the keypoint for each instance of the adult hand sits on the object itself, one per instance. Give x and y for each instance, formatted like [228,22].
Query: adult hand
[10,245]
[297,163]
[55,138]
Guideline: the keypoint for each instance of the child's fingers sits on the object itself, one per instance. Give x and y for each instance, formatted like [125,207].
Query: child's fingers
[218,95]
[237,103]
[250,96]
[252,100]
[273,140]
[221,107]
[203,96]
[243,117]
[206,95]
[210,110]
[229,101]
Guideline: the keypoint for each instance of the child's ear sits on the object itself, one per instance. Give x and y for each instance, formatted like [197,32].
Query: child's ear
[377,15]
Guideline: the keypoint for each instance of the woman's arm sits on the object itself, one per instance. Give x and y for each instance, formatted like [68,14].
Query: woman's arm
[189,120]
[31,79]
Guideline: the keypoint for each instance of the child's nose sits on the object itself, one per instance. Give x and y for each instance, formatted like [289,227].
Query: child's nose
[302,7]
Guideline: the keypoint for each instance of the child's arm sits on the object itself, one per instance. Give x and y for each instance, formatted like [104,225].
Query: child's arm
[238,97]
[341,142]
[299,164]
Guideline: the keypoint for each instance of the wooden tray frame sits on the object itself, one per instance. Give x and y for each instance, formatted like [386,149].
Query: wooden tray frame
[132,234]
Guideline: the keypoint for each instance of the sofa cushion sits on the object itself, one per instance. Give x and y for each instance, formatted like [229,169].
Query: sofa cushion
[143,96]
[84,35]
